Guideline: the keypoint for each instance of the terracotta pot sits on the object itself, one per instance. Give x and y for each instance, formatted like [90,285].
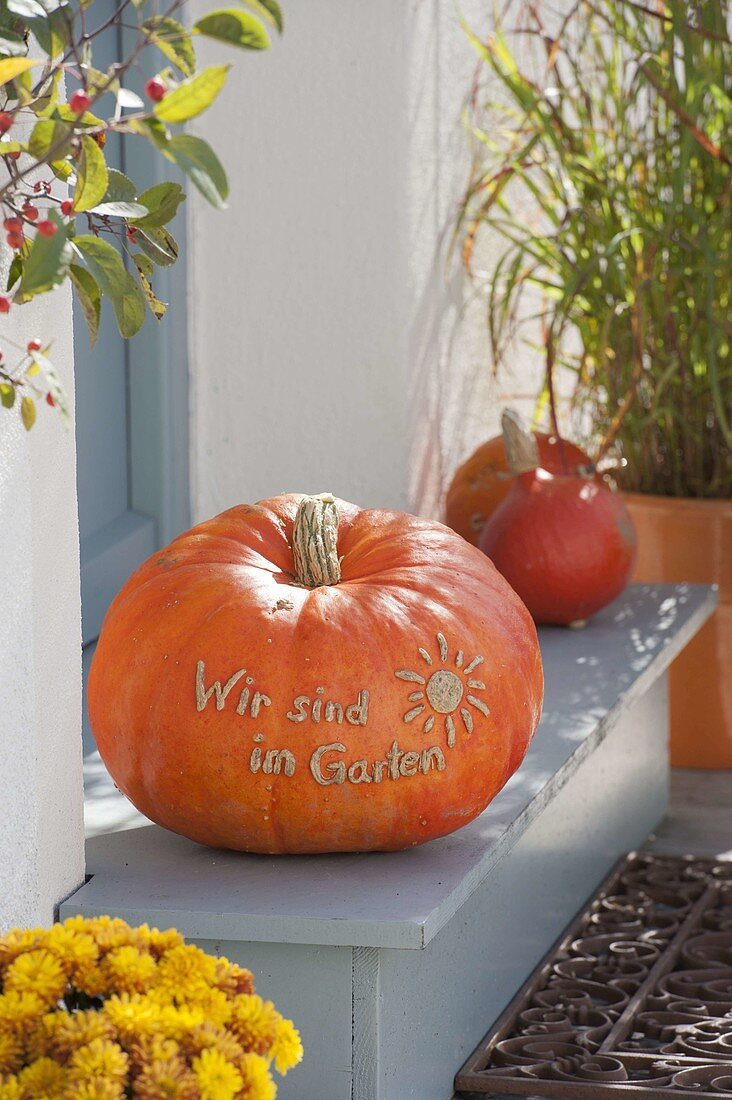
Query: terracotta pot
[691,540]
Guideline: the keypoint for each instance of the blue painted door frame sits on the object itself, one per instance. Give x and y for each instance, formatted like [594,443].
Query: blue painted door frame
[131,412]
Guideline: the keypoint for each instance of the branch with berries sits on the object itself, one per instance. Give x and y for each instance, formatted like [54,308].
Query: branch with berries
[84,221]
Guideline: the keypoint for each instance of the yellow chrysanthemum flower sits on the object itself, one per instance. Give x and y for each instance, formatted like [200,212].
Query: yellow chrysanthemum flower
[159,942]
[257,1083]
[129,970]
[166,1079]
[217,1079]
[255,1023]
[153,1048]
[37,972]
[210,1037]
[11,1052]
[101,1089]
[166,1021]
[175,1022]
[10,1089]
[132,1015]
[17,942]
[75,949]
[20,1011]
[185,967]
[99,1059]
[60,1033]
[108,932]
[287,1047]
[232,978]
[91,980]
[44,1079]
[213,1003]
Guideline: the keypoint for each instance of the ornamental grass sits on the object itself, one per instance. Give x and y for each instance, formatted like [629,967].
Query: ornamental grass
[603,174]
[93,1009]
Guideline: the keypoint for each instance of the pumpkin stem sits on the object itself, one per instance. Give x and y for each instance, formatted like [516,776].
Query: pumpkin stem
[315,541]
[521,450]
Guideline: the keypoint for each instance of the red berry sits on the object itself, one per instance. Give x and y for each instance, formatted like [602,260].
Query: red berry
[49,399]
[4,304]
[6,121]
[67,208]
[155,89]
[47,228]
[30,211]
[131,233]
[15,240]
[13,156]
[37,186]
[13,225]
[34,345]
[79,102]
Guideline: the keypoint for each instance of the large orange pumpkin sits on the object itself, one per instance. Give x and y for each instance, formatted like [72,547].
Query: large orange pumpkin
[484,480]
[302,675]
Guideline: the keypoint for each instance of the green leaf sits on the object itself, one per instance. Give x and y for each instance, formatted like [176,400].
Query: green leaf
[143,263]
[88,297]
[55,388]
[16,270]
[129,100]
[29,9]
[157,308]
[96,79]
[160,203]
[193,96]
[119,209]
[61,169]
[88,119]
[11,45]
[91,176]
[120,187]
[7,395]
[196,158]
[174,41]
[235,27]
[156,132]
[120,198]
[115,283]
[28,412]
[159,245]
[10,67]
[47,263]
[48,134]
[47,100]
[51,32]
[269,10]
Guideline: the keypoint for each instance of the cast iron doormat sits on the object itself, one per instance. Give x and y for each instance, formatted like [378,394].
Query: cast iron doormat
[635,999]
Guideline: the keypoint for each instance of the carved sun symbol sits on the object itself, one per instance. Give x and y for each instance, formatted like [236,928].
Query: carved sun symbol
[443,690]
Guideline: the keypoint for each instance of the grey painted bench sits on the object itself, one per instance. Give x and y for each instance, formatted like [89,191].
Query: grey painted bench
[393,965]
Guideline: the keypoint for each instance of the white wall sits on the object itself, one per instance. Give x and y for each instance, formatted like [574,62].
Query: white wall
[41,851]
[328,346]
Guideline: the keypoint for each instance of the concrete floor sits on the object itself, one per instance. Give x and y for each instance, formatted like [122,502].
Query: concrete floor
[699,821]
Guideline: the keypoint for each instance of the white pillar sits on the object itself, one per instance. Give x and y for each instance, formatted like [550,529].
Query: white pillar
[322,313]
[41,800]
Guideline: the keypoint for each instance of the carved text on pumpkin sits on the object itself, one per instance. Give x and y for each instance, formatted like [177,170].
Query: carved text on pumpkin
[397,765]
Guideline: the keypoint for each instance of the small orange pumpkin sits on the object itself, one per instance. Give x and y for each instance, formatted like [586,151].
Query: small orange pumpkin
[302,675]
[565,542]
[484,479]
